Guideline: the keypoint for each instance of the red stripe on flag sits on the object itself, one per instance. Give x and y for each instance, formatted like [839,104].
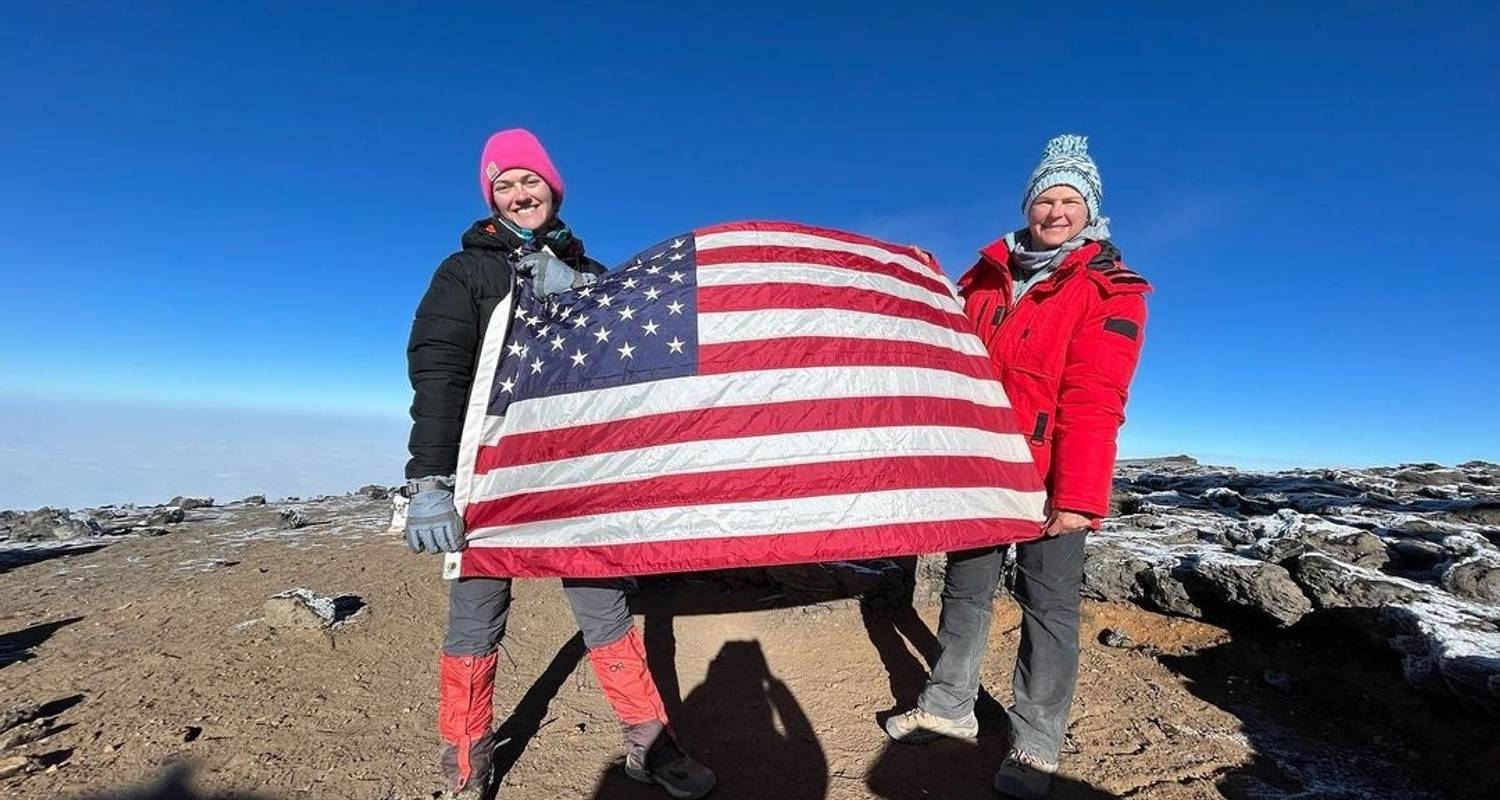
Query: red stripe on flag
[826,233]
[648,558]
[828,351]
[749,485]
[761,254]
[763,296]
[732,422]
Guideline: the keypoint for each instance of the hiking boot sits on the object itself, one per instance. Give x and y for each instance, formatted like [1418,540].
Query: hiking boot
[917,726]
[666,765]
[1024,775]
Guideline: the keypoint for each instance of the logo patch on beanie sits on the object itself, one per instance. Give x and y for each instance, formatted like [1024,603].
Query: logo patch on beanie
[492,172]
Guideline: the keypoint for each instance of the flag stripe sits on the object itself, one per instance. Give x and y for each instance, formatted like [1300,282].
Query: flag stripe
[779,449]
[743,326]
[647,556]
[817,239]
[786,296]
[729,422]
[766,517]
[811,254]
[740,273]
[877,474]
[735,389]
[823,351]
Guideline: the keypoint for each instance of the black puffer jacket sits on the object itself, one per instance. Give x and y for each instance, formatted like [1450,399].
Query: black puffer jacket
[447,333]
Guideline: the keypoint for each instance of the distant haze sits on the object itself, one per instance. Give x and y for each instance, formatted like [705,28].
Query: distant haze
[82,454]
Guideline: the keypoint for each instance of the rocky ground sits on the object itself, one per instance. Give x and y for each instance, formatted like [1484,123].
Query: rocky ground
[1308,634]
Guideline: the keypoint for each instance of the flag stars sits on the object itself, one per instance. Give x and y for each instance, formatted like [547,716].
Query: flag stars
[516,349]
[602,335]
[676,277]
[536,367]
[675,346]
[587,291]
[630,283]
[676,257]
[627,313]
[508,386]
[626,350]
[604,300]
[650,327]
[558,342]
[674,307]
[579,357]
[678,243]
[653,293]
[580,320]
[654,269]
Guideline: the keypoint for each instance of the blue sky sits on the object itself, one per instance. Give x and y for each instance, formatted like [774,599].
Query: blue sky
[238,205]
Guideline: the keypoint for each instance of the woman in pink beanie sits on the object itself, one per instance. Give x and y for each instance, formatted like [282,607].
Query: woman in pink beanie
[522,237]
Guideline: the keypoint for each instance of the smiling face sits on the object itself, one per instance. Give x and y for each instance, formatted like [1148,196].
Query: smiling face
[1056,216]
[524,198]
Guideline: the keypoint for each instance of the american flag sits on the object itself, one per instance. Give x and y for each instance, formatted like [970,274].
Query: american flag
[742,395]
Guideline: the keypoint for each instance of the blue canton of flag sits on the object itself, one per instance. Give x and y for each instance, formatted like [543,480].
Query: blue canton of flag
[639,322]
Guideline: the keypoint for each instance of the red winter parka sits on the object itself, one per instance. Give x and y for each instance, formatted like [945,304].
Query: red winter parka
[1066,353]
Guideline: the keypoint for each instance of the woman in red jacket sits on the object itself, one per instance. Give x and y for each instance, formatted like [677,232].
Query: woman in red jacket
[1062,319]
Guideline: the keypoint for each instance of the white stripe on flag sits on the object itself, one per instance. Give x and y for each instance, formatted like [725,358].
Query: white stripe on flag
[749,452]
[761,517]
[712,241]
[751,273]
[738,389]
[761,324]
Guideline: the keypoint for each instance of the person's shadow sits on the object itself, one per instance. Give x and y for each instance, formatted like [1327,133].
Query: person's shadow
[745,724]
[944,768]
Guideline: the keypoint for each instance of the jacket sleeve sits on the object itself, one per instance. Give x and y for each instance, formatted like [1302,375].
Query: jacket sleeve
[1095,382]
[440,362]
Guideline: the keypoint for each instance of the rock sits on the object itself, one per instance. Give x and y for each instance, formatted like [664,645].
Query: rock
[25,733]
[877,577]
[1109,637]
[17,715]
[254,500]
[293,518]
[1288,534]
[1481,513]
[190,503]
[152,530]
[1123,503]
[168,515]
[374,492]
[10,767]
[1429,475]
[1279,680]
[306,610]
[1265,590]
[190,733]
[1332,583]
[50,524]
[1416,554]
[1477,578]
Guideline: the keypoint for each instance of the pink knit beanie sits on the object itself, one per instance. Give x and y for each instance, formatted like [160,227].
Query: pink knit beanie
[516,147]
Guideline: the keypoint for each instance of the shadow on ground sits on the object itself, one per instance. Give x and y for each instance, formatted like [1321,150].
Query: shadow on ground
[17,645]
[1330,717]
[174,784]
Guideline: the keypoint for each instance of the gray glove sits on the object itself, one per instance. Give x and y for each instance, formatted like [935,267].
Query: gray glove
[432,521]
[550,275]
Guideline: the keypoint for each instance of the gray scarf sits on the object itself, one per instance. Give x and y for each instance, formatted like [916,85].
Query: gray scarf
[1029,267]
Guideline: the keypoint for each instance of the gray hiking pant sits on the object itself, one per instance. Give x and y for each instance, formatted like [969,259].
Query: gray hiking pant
[478,609]
[1049,575]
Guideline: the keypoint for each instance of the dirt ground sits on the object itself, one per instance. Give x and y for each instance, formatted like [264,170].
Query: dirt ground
[161,678]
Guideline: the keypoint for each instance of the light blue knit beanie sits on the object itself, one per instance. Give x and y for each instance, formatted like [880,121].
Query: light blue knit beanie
[1066,162]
